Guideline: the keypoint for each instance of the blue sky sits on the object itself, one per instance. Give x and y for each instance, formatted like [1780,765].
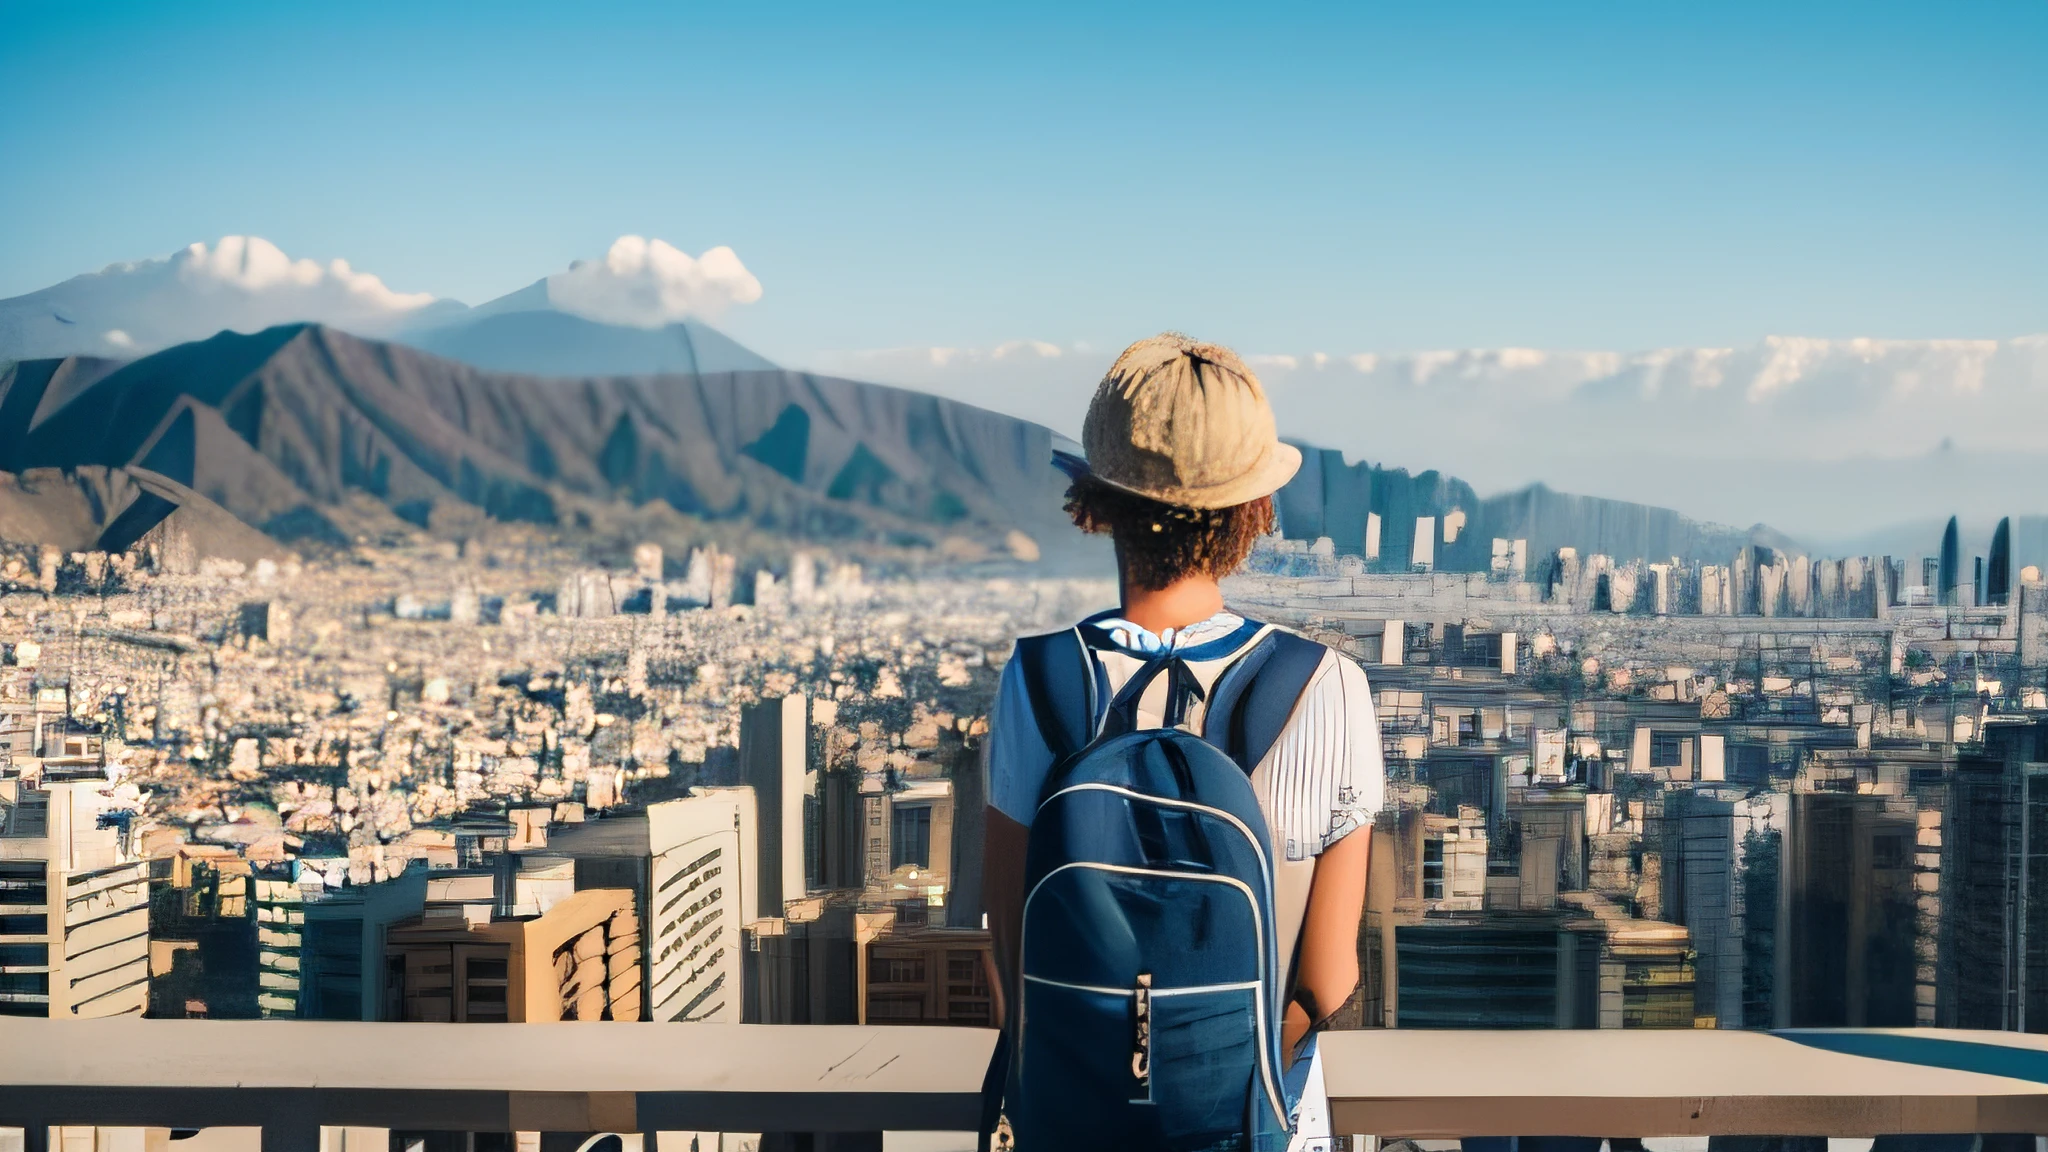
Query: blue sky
[1277,176]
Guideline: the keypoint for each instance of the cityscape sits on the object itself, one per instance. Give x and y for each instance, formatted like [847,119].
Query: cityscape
[515,523]
[491,782]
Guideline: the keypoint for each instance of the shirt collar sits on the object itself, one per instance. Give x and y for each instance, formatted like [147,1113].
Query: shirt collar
[1144,642]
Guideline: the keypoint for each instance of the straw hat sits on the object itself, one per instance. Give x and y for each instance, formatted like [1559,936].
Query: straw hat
[1185,424]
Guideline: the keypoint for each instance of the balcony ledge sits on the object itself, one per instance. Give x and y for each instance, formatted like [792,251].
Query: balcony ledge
[628,1077]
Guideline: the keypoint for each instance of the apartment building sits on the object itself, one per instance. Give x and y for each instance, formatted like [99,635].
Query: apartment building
[74,897]
[580,960]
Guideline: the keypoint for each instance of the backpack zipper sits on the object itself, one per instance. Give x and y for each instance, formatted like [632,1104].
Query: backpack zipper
[1141,1042]
[1157,993]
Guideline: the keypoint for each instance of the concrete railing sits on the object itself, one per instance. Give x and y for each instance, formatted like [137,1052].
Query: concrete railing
[293,1078]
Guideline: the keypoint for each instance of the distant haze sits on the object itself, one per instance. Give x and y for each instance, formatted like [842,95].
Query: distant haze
[1823,439]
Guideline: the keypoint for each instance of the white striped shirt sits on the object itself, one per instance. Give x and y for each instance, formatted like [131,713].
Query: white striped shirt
[1323,778]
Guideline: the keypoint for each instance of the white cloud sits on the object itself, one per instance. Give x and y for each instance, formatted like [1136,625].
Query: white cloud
[1034,348]
[255,267]
[240,283]
[646,283]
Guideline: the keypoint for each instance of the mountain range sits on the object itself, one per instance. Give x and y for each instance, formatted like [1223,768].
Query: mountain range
[293,430]
[195,379]
[305,436]
[310,437]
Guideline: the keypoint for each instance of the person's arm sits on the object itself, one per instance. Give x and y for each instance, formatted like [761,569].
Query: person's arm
[1002,895]
[1014,762]
[1327,970]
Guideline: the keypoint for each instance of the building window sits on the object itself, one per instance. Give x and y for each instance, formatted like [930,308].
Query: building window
[964,968]
[902,970]
[895,1006]
[23,884]
[1749,763]
[1432,869]
[37,924]
[1888,853]
[910,837]
[1666,750]
[18,984]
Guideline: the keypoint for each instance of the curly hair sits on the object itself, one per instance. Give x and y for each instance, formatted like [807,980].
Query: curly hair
[1158,544]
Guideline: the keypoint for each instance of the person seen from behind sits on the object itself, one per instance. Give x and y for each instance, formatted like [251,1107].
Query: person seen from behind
[1180,803]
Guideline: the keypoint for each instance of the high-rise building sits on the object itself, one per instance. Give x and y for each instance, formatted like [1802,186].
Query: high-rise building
[1993,955]
[774,762]
[202,938]
[804,967]
[580,960]
[704,848]
[1645,967]
[1998,575]
[280,911]
[1519,970]
[1848,926]
[909,850]
[929,976]
[1949,566]
[74,898]
[1705,841]
[970,807]
[345,974]
[690,865]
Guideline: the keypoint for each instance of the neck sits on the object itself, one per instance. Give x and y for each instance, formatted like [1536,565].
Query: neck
[1186,601]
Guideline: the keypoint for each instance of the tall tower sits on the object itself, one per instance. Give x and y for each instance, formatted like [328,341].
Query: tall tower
[1950,571]
[773,762]
[1998,576]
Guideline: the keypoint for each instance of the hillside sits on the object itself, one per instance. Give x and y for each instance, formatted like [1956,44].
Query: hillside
[283,427]
[300,432]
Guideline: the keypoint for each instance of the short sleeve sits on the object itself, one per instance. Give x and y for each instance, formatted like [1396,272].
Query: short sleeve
[1326,776]
[1015,756]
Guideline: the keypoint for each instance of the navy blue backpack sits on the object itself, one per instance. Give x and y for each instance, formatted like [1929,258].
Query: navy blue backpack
[1151,986]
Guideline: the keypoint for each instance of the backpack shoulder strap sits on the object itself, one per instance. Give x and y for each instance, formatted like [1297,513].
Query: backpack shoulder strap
[1252,700]
[1059,676]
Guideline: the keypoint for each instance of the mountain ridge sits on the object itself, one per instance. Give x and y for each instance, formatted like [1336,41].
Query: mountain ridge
[285,428]
[280,425]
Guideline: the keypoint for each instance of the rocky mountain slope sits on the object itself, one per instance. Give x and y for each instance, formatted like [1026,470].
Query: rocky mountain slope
[286,427]
[300,432]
